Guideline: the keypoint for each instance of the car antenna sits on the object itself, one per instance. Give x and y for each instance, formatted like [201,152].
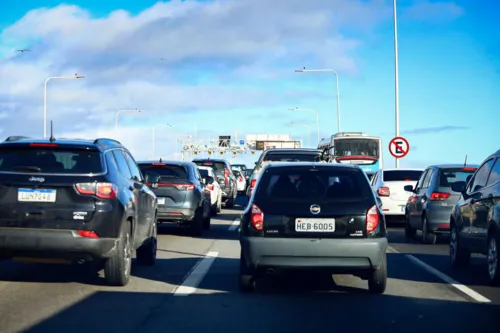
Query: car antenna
[52,139]
[465,163]
[160,159]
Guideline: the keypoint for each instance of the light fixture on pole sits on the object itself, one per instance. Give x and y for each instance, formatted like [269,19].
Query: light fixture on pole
[304,70]
[313,110]
[154,135]
[123,111]
[308,129]
[76,76]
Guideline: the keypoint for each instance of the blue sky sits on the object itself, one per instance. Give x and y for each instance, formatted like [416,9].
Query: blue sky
[229,65]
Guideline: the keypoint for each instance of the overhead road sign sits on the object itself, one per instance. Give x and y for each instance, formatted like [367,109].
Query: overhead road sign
[399,147]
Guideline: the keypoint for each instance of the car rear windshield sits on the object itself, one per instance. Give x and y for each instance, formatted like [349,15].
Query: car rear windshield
[217,166]
[166,172]
[449,176]
[203,173]
[401,175]
[291,157]
[57,160]
[291,184]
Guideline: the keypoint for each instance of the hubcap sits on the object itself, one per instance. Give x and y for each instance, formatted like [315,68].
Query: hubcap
[127,255]
[453,243]
[492,257]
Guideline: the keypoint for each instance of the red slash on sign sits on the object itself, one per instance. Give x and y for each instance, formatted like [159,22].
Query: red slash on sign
[399,147]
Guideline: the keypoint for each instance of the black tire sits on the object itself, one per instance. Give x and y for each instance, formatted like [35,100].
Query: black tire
[493,264]
[410,232]
[146,254]
[247,281]
[214,209]
[230,202]
[459,256]
[196,226]
[428,237]
[117,268]
[377,283]
[207,219]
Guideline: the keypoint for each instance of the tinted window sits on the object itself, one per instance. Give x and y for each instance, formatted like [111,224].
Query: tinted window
[166,172]
[134,170]
[217,166]
[291,157]
[449,176]
[401,175]
[122,164]
[204,173]
[320,185]
[356,147]
[495,173]
[482,176]
[50,160]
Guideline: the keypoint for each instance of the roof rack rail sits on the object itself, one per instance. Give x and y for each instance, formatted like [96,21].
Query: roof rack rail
[16,138]
[107,143]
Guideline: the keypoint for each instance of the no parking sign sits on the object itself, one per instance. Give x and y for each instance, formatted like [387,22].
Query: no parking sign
[399,147]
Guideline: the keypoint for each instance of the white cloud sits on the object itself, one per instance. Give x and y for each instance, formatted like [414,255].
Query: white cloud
[225,42]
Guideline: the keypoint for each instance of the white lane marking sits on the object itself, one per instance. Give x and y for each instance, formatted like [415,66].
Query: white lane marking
[466,290]
[234,225]
[196,275]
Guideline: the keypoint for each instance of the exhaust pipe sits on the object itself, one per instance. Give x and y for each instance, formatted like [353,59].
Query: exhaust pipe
[270,271]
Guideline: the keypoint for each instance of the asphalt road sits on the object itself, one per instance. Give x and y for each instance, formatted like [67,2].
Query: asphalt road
[193,288]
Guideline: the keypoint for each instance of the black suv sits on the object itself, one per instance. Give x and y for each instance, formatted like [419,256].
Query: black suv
[182,197]
[320,216]
[224,173]
[76,200]
[475,219]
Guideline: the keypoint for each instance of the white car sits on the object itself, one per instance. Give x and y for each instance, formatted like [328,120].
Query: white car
[241,182]
[389,185]
[213,188]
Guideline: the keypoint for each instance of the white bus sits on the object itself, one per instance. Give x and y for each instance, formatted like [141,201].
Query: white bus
[355,148]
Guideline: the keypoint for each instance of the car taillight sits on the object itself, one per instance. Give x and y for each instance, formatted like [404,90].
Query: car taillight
[87,234]
[226,176]
[240,179]
[439,196]
[372,219]
[252,185]
[384,192]
[257,218]
[100,190]
[210,187]
[469,169]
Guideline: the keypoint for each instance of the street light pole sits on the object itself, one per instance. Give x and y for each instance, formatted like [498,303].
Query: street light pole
[396,73]
[317,117]
[304,70]
[120,111]
[76,76]
[154,134]
[308,128]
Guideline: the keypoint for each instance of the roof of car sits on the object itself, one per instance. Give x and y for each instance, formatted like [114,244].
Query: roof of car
[99,143]
[403,169]
[454,166]
[311,164]
[293,150]
[162,162]
[216,160]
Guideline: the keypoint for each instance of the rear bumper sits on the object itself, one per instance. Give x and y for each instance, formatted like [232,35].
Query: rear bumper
[438,220]
[49,243]
[335,254]
[175,214]
[393,207]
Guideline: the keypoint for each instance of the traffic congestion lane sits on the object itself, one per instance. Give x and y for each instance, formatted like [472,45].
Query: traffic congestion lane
[30,293]
[474,277]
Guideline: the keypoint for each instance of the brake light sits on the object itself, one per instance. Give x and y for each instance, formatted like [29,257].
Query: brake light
[257,218]
[158,164]
[384,192]
[210,187]
[100,190]
[252,185]
[207,163]
[439,196]
[87,234]
[469,169]
[180,187]
[43,145]
[226,176]
[240,179]
[372,219]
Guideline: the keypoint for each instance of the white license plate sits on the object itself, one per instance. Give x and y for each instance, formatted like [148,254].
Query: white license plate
[161,201]
[30,195]
[314,225]
[403,208]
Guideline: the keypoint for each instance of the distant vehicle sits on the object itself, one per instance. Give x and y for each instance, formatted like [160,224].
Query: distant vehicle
[355,148]
[182,198]
[77,200]
[224,172]
[475,219]
[390,186]
[282,155]
[212,185]
[429,207]
[240,181]
[320,216]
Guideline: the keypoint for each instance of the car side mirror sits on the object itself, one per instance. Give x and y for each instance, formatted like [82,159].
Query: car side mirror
[458,187]
[409,188]
[153,179]
[210,180]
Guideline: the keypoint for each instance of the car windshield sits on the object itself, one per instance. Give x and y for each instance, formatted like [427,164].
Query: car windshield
[319,184]
[356,147]
[401,175]
[449,176]
[204,173]
[58,160]
[291,157]
[166,172]
[218,167]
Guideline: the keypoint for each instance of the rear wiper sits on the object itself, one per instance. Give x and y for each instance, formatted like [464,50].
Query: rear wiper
[27,168]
